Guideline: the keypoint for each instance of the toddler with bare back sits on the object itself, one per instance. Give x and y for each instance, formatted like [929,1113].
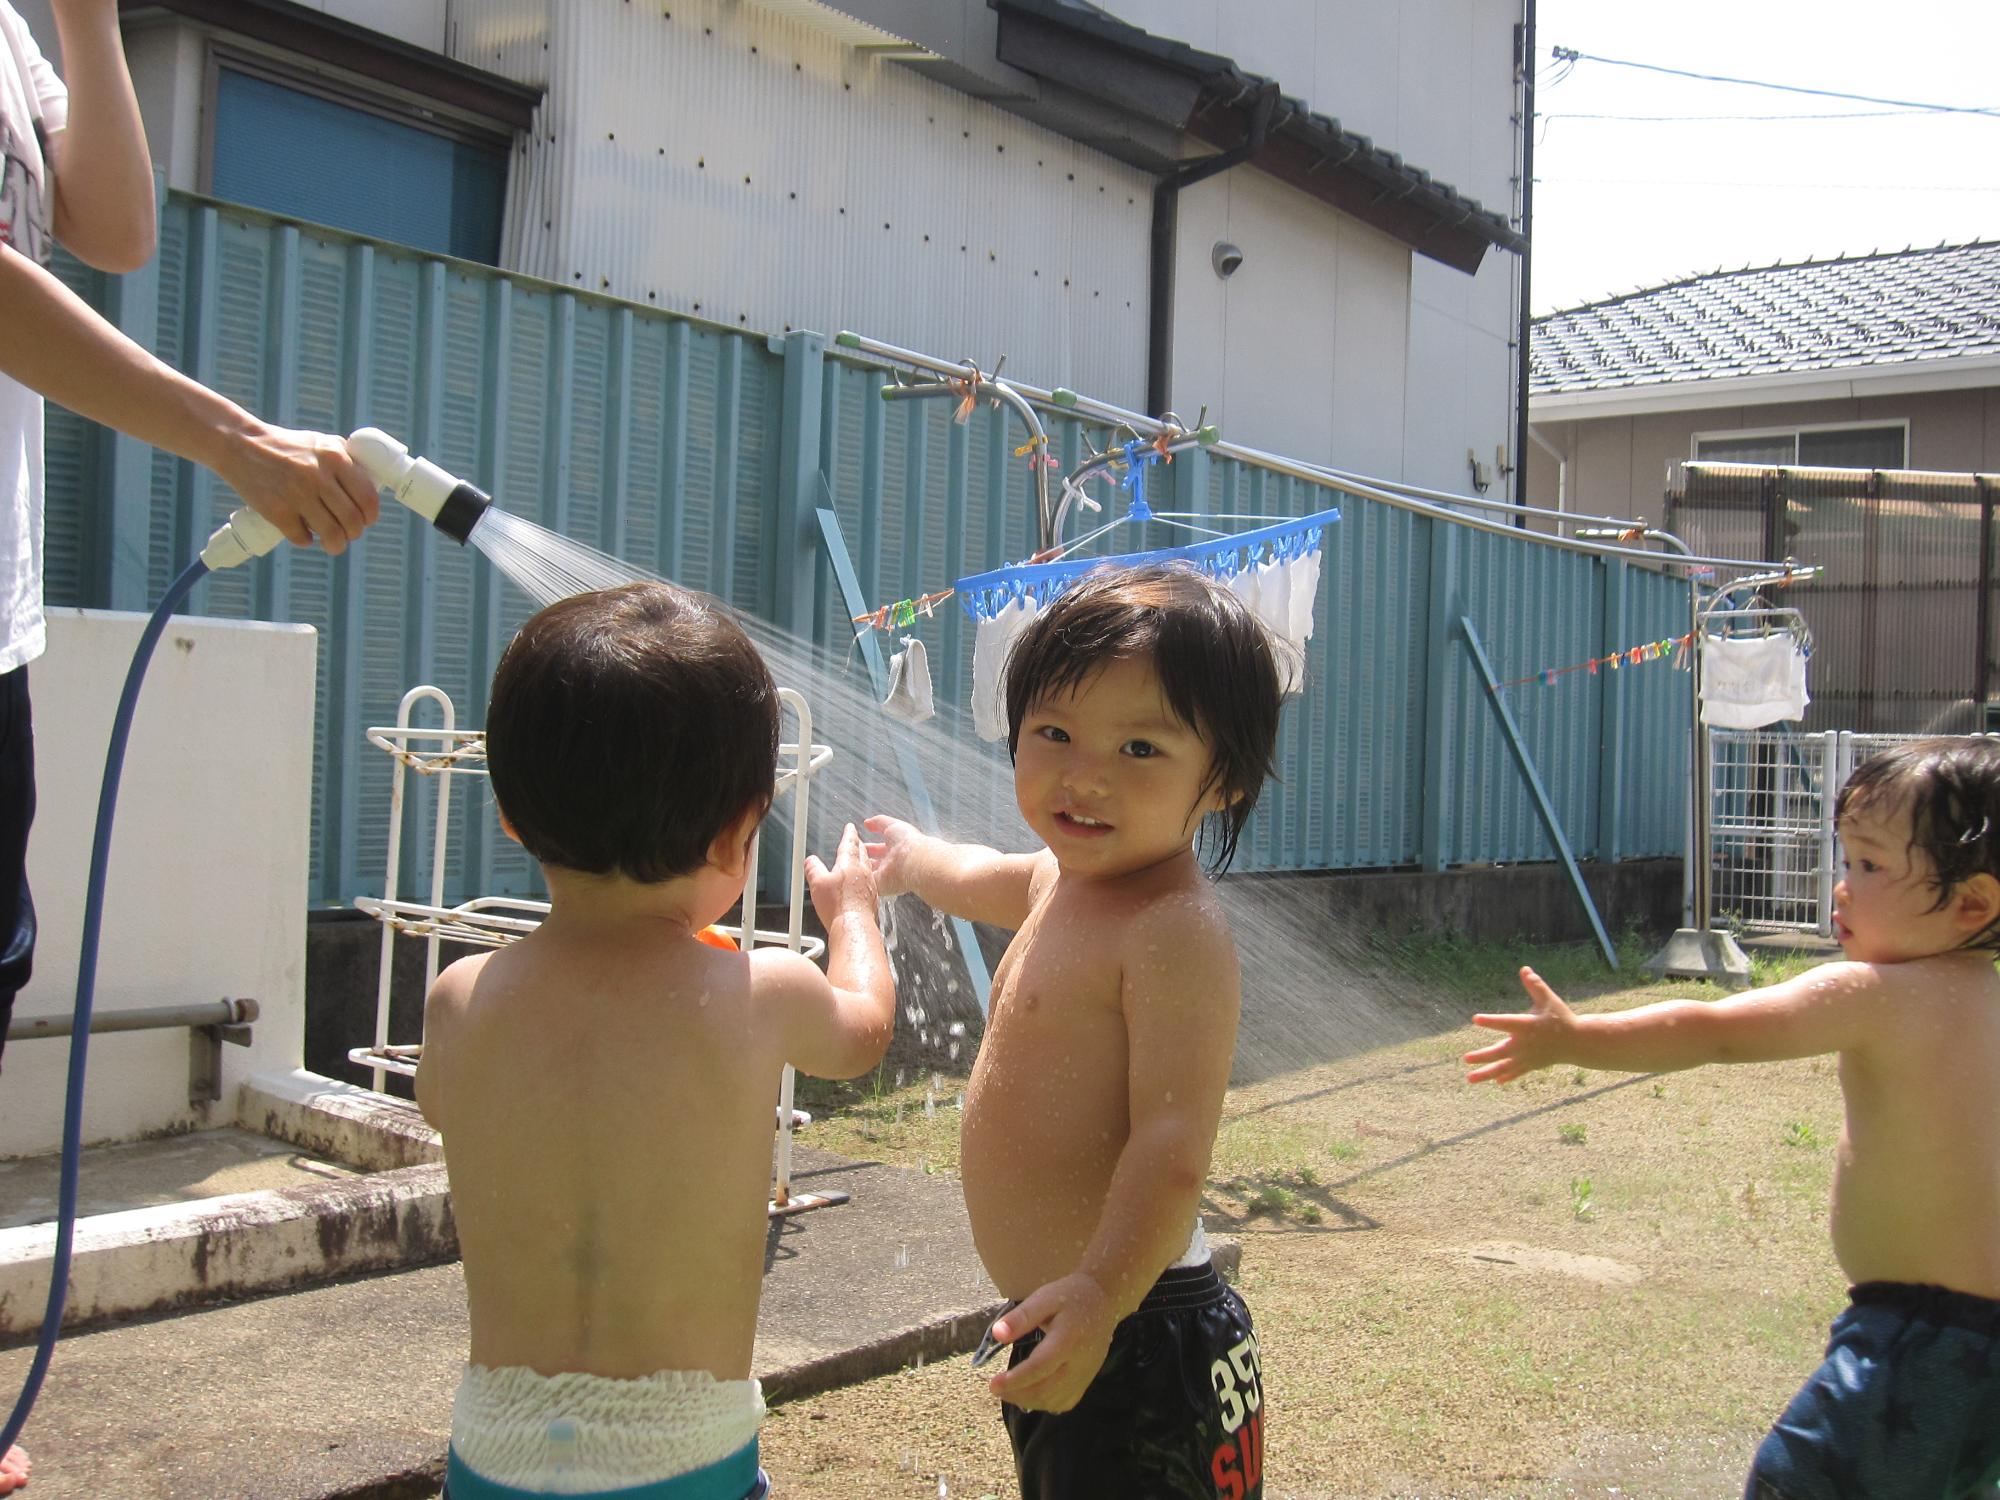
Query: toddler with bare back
[1140,703]
[1907,1402]
[606,1086]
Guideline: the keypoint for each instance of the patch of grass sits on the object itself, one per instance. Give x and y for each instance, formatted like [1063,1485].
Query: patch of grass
[1802,1134]
[1343,1150]
[1490,972]
[1307,1177]
[1573,1132]
[1271,1199]
[1582,1199]
[1579,1077]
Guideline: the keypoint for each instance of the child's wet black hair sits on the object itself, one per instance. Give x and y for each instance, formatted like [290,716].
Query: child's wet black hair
[1951,789]
[1215,661]
[628,729]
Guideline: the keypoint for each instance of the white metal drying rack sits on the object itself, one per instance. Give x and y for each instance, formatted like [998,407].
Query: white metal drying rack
[494,921]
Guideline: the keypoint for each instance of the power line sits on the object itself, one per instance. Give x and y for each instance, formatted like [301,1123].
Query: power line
[1845,114]
[1817,187]
[1572,55]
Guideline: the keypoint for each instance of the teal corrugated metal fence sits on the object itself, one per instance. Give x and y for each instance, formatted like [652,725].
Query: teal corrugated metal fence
[701,453]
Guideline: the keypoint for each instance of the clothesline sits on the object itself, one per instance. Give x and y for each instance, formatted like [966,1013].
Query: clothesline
[1632,656]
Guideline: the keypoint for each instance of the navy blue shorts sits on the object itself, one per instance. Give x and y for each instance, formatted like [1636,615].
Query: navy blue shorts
[17,813]
[1177,1412]
[1907,1404]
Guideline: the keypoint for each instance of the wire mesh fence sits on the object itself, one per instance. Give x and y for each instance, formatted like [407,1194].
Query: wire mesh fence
[1774,853]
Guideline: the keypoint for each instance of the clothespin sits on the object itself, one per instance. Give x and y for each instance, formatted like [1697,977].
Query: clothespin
[1591,666]
[903,612]
[1549,677]
[968,389]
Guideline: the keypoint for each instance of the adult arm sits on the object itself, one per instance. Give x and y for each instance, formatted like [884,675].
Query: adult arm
[103,174]
[53,342]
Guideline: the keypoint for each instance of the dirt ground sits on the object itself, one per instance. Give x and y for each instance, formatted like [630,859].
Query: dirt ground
[1585,1284]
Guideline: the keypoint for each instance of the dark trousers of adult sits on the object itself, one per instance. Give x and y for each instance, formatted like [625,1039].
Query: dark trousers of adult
[17,812]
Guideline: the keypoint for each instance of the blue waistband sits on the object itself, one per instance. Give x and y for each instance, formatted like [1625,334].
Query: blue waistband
[736,1477]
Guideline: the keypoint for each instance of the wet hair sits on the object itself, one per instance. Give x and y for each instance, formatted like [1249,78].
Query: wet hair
[1217,668]
[628,728]
[1951,789]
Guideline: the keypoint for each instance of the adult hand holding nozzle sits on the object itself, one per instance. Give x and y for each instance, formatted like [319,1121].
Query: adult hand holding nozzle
[447,502]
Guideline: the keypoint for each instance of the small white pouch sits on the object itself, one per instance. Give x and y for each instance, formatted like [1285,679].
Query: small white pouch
[910,683]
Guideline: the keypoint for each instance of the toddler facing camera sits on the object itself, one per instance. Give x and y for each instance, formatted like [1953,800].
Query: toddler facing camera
[1907,1402]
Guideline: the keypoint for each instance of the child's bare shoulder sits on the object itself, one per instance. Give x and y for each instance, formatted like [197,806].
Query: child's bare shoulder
[453,986]
[1182,924]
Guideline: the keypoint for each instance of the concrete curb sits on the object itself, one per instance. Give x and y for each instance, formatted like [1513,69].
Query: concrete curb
[153,1260]
[339,1121]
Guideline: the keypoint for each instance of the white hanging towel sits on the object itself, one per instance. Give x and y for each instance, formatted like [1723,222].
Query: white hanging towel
[992,640]
[1750,681]
[910,696]
[1280,595]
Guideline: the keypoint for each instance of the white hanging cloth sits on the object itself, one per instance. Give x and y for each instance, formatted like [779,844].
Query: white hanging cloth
[993,638]
[910,696]
[1750,681]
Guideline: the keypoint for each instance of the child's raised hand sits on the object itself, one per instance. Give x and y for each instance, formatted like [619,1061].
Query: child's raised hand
[846,885]
[1534,1038]
[1076,1319]
[889,858]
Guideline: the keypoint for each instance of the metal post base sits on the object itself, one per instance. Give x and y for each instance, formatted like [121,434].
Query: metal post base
[1694,954]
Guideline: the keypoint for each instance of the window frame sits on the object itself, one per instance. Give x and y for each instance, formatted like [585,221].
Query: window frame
[301,77]
[1794,431]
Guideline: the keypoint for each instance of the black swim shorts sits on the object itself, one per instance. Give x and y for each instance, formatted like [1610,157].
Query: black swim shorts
[1176,1413]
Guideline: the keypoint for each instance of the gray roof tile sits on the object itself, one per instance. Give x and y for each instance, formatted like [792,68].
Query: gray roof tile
[1893,307]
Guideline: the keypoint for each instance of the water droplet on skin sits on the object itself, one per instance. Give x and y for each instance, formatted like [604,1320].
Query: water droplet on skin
[902,1257]
[1170,1096]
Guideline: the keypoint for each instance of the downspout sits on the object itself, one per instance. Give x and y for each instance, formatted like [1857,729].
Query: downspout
[1166,221]
[1524,59]
[1562,468]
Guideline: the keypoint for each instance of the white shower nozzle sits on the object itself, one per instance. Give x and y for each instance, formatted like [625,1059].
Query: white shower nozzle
[446,501]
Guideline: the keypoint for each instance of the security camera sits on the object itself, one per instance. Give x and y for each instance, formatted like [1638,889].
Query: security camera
[1225,257]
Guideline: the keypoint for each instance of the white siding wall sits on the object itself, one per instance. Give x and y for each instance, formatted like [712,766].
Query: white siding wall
[1334,342]
[744,166]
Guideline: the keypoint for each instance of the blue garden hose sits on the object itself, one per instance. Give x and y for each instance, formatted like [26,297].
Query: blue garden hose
[452,507]
[86,985]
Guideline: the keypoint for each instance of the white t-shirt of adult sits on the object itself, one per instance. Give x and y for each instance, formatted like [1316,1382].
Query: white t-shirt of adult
[34,105]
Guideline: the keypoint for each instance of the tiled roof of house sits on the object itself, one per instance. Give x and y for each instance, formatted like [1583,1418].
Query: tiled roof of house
[1891,308]
[1212,99]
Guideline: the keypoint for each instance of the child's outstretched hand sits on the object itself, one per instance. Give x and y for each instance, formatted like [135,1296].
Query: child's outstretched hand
[1534,1039]
[846,885]
[890,858]
[1076,1319]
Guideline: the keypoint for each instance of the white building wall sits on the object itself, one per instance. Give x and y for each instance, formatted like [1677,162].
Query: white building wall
[740,164]
[205,897]
[1335,342]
